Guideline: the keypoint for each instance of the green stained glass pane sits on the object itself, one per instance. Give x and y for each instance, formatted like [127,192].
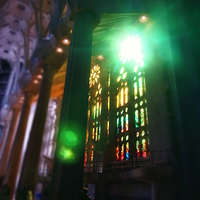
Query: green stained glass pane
[136,119]
[135,90]
[140,86]
[117,125]
[146,113]
[142,116]
[122,124]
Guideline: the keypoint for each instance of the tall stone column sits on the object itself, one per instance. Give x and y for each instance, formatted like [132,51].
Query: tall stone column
[9,142]
[17,149]
[67,177]
[31,160]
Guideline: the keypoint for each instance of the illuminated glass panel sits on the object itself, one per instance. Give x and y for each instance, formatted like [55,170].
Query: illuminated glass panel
[142,116]
[122,70]
[93,132]
[124,75]
[122,139]
[143,133]
[126,95]
[85,159]
[108,79]
[117,100]
[140,86]
[96,133]
[136,105]
[126,126]
[137,134]
[94,112]
[127,150]
[108,103]
[144,86]
[117,125]
[117,152]
[91,157]
[99,133]
[135,90]
[88,114]
[119,78]
[137,147]
[146,115]
[87,135]
[127,137]
[122,96]
[141,103]
[122,124]
[97,108]
[136,119]
[107,128]
[126,110]
[122,152]
[144,149]
[94,75]
[100,106]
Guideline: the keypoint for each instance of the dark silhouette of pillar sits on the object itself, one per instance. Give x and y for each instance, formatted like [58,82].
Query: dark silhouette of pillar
[32,156]
[67,177]
[9,142]
[17,149]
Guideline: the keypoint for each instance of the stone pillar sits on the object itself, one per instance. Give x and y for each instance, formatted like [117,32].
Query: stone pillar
[17,149]
[9,142]
[31,160]
[67,177]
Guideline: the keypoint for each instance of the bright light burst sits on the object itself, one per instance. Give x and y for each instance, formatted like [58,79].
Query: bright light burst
[131,49]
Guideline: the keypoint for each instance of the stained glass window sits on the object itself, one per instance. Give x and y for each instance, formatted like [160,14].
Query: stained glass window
[146,115]
[108,79]
[127,137]
[108,103]
[88,114]
[122,96]
[96,133]
[97,108]
[93,132]
[144,86]
[117,125]
[87,135]
[122,152]
[117,100]
[85,159]
[140,86]
[122,124]
[122,139]
[117,152]
[142,116]
[137,147]
[143,133]
[99,133]
[135,90]
[119,78]
[126,126]
[137,134]
[126,95]
[136,119]
[94,112]
[127,151]
[144,153]
[107,128]
[94,75]
[124,75]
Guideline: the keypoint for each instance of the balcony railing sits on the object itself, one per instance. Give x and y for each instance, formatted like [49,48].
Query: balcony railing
[155,158]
